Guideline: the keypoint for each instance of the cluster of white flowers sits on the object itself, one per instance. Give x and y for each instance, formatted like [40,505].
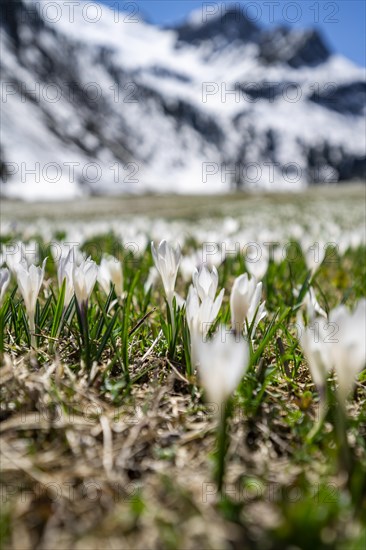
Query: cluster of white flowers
[259,239]
[222,360]
[79,278]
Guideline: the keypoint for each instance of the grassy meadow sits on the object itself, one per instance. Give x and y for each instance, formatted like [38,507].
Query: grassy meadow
[108,438]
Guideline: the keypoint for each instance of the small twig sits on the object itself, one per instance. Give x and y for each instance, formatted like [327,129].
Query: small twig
[139,323]
[144,357]
[178,374]
[285,362]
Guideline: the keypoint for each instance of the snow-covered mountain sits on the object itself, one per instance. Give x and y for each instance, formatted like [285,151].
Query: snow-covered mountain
[97,101]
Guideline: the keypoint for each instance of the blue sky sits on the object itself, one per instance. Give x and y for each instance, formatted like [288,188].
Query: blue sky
[342,21]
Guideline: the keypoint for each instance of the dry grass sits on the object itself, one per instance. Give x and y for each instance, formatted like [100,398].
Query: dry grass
[79,472]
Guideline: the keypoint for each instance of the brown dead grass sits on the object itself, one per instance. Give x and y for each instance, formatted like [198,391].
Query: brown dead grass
[78,472]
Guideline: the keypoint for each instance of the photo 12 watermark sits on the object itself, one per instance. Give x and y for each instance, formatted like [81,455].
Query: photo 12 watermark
[74,12]
[271,11]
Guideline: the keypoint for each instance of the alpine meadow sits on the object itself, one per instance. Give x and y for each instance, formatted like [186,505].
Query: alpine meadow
[182,275]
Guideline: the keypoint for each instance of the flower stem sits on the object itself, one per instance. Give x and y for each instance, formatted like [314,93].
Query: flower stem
[172,319]
[340,421]
[173,336]
[32,330]
[83,320]
[222,444]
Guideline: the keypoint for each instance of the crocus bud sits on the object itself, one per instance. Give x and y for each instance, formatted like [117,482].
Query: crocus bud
[205,282]
[245,303]
[65,272]
[29,281]
[167,261]
[110,273]
[240,299]
[222,362]
[84,279]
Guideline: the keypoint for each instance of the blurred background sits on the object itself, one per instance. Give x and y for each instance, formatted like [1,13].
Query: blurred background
[185,97]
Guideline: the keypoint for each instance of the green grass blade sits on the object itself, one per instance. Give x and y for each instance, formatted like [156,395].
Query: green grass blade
[58,311]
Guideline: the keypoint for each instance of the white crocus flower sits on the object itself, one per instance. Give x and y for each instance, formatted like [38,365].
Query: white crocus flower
[200,317]
[338,344]
[65,270]
[110,273]
[180,301]
[60,251]
[312,305]
[167,261]
[4,282]
[257,263]
[245,303]
[188,265]
[348,347]
[84,278]
[205,282]
[199,258]
[313,340]
[222,362]
[192,312]
[314,253]
[29,281]
[257,310]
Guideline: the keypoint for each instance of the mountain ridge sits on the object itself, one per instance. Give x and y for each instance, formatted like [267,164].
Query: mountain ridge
[146,109]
